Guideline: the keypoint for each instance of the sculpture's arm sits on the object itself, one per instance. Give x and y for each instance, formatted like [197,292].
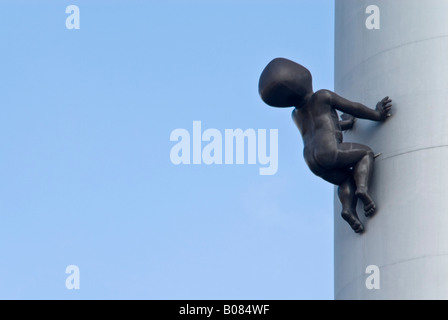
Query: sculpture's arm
[359,110]
[347,122]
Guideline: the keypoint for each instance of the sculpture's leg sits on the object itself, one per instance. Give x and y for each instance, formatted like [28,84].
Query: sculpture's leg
[361,158]
[346,193]
[362,174]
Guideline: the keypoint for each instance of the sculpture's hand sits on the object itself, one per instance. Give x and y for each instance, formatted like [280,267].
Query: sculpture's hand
[383,108]
[347,121]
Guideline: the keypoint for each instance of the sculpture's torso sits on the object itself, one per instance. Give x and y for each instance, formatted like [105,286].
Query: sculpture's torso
[318,123]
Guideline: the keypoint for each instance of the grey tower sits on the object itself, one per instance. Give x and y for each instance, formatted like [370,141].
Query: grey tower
[407,59]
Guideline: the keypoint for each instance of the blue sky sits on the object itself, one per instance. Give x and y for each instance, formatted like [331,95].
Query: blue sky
[86,176]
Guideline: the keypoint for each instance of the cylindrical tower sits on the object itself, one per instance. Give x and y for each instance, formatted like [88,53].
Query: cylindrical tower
[406,59]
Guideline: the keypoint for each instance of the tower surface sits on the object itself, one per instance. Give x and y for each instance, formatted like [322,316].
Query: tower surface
[406,59]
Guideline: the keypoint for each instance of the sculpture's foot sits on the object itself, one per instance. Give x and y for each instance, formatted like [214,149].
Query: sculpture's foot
[369,204]
[353,221]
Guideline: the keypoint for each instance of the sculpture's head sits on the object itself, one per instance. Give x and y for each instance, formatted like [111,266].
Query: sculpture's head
[285,83]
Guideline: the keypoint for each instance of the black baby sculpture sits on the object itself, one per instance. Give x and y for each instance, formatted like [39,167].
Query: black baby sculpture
[285,83]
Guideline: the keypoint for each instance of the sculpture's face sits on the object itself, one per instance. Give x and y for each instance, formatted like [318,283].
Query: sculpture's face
[285,83]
